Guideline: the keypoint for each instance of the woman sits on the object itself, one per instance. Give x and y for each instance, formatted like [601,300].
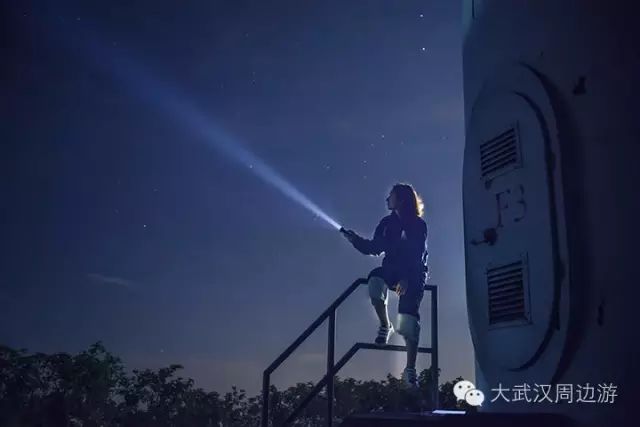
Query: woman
[402,236]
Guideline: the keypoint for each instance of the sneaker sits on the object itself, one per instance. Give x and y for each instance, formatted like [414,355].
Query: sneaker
[410,377]
[384,332]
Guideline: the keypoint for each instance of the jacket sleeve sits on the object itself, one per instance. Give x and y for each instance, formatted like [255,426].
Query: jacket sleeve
[377,245]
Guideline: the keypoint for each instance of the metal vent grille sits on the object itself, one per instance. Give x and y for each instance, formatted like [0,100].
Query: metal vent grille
[507,293]
[500,154]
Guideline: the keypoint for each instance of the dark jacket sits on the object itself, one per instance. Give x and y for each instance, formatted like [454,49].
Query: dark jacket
[404,243]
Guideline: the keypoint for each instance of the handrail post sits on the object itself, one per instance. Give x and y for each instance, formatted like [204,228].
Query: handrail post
[265,399]
[434,345]
[329,312]
[330,363]
[343,361]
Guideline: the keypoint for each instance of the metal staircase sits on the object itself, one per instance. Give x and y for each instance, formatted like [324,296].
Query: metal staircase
[333,367]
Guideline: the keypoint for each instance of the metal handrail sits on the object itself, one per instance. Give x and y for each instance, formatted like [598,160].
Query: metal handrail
[332,368]
[343,361]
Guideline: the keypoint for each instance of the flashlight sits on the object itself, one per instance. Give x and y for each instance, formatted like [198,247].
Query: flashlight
[346,232]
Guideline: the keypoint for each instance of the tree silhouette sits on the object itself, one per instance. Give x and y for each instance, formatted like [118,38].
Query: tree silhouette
[92,388]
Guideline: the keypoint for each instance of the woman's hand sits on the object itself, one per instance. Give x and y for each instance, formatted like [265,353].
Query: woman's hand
[401,287]
[350,235]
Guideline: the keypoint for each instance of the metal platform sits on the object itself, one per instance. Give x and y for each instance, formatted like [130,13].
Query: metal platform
[477,419]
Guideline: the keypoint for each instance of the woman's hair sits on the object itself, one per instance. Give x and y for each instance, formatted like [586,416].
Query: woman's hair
[409,200]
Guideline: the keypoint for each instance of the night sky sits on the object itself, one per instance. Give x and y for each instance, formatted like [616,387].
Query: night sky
[120,223]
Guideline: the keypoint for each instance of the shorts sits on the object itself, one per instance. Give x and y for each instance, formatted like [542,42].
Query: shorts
[409,302]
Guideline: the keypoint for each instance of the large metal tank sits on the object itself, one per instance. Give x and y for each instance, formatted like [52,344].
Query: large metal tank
[552,205]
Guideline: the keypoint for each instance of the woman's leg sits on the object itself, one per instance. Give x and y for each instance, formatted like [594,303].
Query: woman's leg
[381,311]
[378,295]
[409,321]
[409,328]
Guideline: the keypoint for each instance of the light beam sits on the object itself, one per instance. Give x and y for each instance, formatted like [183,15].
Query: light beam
[178,108]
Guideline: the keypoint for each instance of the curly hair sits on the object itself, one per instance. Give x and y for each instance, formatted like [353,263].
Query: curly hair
[409,199]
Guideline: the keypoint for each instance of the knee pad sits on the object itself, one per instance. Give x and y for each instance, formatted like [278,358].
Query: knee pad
[408,326]
[377,289]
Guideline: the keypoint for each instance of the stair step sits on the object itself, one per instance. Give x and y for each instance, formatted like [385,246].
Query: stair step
[392,347]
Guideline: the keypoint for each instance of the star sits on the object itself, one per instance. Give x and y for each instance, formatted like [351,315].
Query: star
[424,49]
[421,15]
[144,225]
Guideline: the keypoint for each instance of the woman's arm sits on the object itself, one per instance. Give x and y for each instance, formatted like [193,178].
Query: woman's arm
[374,246]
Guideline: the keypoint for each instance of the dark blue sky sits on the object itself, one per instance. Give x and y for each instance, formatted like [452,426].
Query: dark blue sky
[119,224]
